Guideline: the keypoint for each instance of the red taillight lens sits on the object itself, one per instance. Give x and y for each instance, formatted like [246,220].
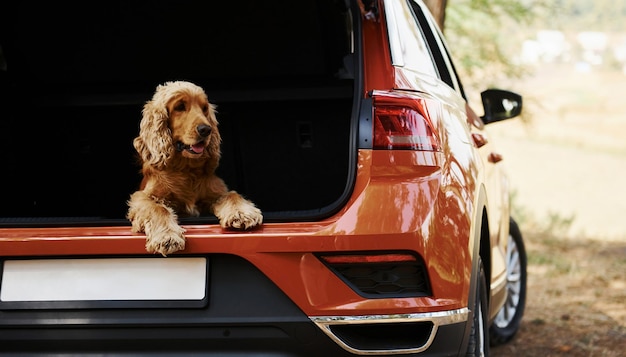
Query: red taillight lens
[400,127]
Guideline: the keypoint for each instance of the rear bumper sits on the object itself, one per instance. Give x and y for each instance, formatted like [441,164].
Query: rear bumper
[246,314]
[266,339]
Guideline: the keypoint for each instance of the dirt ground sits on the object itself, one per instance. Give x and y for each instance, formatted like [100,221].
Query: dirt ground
[576,303]
[567,161]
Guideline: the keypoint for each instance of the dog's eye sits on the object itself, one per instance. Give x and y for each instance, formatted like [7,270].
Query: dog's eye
[180,107]
[205,108]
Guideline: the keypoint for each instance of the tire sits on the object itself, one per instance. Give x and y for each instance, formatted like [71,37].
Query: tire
[478,345]
[509,318]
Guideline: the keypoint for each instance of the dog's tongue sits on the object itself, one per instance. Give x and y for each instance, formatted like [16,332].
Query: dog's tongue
[198,148]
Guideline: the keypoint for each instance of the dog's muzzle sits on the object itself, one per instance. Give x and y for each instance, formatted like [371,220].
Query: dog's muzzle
[194,149]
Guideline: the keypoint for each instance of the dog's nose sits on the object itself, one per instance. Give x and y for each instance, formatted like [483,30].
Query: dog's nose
[203,130]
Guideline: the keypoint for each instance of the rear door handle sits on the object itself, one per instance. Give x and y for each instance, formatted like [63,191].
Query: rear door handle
[494,157]
[479,140]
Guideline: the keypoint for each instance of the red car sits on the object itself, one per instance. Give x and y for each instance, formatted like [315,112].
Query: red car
[387,227]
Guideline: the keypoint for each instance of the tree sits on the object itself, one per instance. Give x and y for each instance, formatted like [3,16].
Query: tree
[487,35]
[438,9]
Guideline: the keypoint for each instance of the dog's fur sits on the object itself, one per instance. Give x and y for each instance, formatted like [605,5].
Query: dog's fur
[179,150]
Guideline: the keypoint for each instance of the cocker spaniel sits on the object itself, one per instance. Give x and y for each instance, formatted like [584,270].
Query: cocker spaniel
[179,149]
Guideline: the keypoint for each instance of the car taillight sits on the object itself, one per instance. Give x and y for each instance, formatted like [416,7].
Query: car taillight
[402,127]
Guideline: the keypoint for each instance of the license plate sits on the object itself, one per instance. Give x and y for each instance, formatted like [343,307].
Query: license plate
[107,282]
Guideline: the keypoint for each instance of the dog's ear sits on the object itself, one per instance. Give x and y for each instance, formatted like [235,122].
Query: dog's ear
[154,143]
[215,144]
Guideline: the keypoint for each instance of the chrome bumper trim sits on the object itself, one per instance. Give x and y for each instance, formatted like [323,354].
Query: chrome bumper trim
[436,318]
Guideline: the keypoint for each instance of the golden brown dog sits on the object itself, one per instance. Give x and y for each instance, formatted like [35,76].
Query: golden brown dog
[179,149]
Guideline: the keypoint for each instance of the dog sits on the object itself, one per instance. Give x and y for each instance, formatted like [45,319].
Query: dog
[179,149]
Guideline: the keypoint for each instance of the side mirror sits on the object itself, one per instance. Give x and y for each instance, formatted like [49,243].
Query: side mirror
[500,105]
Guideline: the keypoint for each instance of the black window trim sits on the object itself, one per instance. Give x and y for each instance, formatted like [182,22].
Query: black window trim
[437,47]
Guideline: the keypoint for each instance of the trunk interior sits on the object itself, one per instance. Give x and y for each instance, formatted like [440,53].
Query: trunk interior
[281,74]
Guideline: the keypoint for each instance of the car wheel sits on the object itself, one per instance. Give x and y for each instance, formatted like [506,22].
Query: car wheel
[509,318]
[479,337]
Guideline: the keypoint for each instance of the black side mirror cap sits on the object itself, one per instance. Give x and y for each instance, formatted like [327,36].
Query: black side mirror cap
[500,105]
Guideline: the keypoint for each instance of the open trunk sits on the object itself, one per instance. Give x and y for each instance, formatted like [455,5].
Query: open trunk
[281,73]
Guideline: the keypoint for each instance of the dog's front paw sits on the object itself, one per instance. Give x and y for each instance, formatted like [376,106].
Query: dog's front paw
[236,212]
[246,218]
[136,226]
[166,242]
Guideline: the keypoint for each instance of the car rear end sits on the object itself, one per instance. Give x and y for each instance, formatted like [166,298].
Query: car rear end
[288,289]
[377,262]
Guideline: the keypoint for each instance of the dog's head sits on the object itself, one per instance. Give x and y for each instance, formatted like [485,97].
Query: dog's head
[178,121]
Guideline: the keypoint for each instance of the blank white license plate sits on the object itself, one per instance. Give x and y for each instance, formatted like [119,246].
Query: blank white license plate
[108,279]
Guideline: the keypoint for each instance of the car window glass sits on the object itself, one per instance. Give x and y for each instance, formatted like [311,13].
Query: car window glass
[437,42]
[409,48]
[439,56]
[453,73]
